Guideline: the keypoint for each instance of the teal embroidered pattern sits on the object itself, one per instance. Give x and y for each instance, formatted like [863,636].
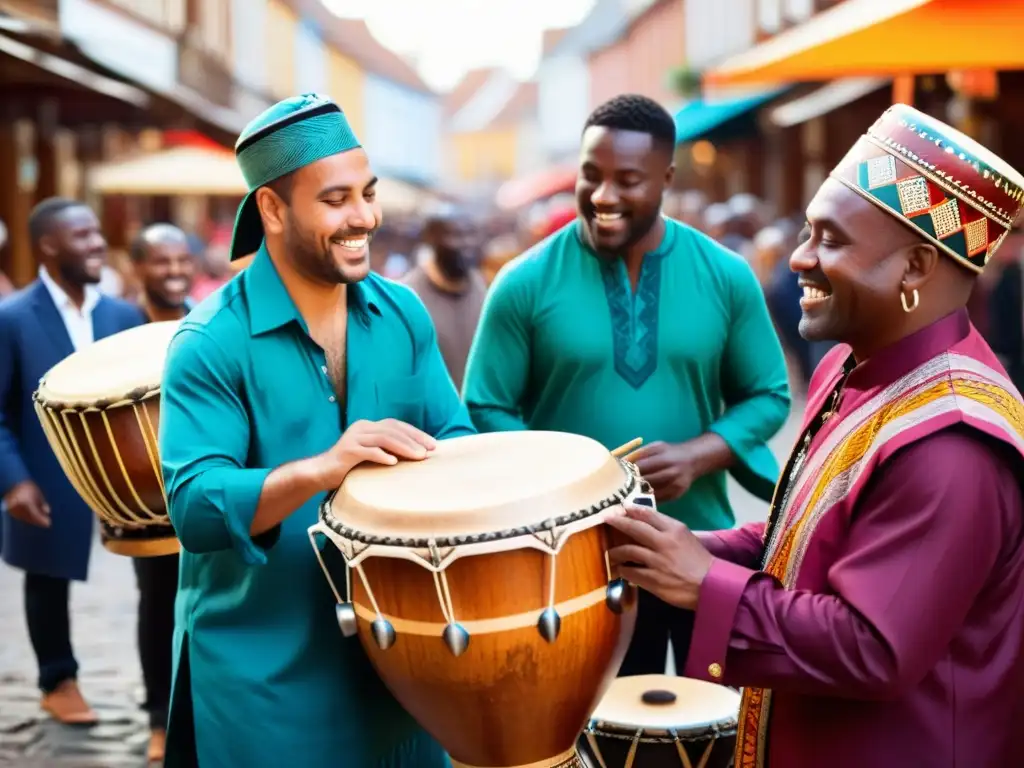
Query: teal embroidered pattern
[634,317]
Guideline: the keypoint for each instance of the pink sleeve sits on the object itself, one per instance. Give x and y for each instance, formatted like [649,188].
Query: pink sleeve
[926,536]
[743,546]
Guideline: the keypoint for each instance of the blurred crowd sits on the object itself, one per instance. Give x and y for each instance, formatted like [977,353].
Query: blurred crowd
[469,244]
[744,224]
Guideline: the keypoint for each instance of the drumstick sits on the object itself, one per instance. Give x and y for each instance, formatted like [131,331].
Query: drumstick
[629,447]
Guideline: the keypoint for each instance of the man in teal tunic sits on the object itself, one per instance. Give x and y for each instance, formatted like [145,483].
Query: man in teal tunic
[276,385]
[626,324]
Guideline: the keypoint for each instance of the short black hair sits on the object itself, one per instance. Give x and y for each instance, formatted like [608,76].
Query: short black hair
[40,221]
[140,245]
[282,186]
[633,112]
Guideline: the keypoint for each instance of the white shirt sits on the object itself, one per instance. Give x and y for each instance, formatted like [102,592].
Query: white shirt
[78,321]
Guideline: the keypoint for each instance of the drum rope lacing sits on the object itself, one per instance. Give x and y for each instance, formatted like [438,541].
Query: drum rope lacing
[718,730]
[455,635]
[108,504]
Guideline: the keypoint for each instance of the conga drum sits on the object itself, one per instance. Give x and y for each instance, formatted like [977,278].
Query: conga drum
[657,721]
[100,410]
[479,584]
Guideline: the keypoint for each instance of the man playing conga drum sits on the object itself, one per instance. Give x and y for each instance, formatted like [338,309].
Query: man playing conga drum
[878,619]
[300,368]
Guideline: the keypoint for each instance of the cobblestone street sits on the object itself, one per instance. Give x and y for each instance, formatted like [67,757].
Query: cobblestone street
[103,627]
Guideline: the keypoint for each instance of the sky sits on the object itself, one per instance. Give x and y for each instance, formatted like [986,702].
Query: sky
[447,38]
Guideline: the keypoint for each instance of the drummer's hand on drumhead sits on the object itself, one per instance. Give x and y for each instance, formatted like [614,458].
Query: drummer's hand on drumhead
[25,502]
[663,555]
[380,442]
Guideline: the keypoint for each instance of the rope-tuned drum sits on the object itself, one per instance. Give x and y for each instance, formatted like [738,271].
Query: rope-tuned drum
[479,584]
[657,721]
[100,410]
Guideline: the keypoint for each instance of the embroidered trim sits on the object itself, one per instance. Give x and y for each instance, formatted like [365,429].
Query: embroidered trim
[634,317]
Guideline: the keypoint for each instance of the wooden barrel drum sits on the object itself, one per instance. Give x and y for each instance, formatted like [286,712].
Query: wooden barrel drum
[657,721]
[100,410]
[479,584]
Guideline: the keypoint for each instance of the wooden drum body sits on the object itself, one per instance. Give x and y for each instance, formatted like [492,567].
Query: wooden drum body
[479,585]
[100,410]
[657,721]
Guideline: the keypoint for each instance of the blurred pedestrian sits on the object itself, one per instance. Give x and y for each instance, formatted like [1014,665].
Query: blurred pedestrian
[447,279]
[165,268]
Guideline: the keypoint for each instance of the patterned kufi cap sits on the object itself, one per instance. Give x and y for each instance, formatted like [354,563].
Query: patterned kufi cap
[958,195]
[289,135]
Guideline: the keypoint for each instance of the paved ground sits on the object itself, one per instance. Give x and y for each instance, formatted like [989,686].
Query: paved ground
[104,636]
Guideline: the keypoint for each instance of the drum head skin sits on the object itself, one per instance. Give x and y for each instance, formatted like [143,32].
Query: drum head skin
[125,366]
[480,484]
[698,705]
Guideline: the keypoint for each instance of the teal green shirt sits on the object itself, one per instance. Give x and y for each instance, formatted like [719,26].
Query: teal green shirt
[564,343]
[245,390]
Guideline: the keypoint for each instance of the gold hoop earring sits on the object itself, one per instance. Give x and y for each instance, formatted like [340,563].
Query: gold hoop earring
[908,308]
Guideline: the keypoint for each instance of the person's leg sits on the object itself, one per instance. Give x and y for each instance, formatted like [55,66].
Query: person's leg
[157,579]
[49,629]
[648,650]
[47,614]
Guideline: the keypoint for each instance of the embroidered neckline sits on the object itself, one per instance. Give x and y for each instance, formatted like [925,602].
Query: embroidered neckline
[634,315]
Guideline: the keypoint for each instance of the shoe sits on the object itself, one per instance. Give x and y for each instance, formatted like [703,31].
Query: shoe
[66,705]
[157,745]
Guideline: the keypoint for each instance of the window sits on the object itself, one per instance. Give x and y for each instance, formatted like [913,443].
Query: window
[168,15]
[215,27]
[799,10]
[769,15]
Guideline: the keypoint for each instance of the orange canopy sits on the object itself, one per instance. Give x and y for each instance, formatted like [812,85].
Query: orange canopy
[867,38]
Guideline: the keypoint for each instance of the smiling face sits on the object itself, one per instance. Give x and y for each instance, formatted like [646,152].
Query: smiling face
[853,261]
[166,269]
[623,176]
[75,246]
[326,216]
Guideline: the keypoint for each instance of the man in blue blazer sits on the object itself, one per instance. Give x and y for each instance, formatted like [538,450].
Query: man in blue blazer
[47,528]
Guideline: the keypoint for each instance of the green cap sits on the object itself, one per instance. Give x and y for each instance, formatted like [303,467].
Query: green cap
[289,135]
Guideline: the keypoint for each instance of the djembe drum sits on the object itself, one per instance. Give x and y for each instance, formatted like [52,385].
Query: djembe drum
[100,410]
[479,584]
[657,721]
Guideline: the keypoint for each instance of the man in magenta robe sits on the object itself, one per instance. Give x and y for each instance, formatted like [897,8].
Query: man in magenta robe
[877,619]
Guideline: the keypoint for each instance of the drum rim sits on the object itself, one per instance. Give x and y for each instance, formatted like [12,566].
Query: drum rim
[136,396]
[543,526]
[625,732]
[147,334]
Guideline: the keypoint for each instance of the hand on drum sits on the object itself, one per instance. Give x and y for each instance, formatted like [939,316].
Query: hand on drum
[670,468]
[380,442]
[663,555]
[25,502]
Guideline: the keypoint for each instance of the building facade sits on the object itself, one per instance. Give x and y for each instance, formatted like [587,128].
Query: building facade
[643,56]
[563,78]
